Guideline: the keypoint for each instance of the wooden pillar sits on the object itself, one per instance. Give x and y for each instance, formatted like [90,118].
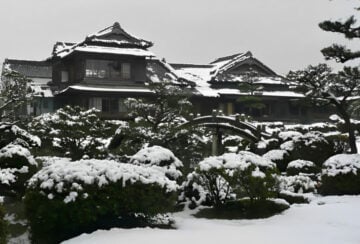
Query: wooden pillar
[214,148]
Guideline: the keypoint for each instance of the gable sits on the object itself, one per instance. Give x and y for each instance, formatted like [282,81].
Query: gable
[252,65]
[115,35]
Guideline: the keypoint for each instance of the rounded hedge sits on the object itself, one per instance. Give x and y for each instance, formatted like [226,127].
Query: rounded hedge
[301,166]
[301,183]
[279,157]
[159,157]
[65,199]
[16,166]
[341,175]
[312,146]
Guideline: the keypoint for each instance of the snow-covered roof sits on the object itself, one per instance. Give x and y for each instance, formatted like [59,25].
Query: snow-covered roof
[112,39]
[108,50]
[217,73]
[229,91]
[112,89]
[116,35]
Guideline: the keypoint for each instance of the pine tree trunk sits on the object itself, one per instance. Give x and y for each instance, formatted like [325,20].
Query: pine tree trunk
[349,128]
[352,139]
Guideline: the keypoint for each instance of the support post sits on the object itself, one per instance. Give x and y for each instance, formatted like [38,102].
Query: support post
[214,148]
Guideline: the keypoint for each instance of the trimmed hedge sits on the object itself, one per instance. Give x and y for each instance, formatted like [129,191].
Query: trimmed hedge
[341,175]
[16,167]
[65,199]
[301,166]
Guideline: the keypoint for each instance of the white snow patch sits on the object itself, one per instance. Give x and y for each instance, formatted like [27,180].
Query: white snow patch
[333,221]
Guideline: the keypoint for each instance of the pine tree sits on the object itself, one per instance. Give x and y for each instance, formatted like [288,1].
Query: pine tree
[339,89]
[341,53]
[321,84]
[75,131]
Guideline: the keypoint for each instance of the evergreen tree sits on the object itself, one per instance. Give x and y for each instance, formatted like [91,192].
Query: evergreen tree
[15,92]
[73,131]
[339,89]
[348,28]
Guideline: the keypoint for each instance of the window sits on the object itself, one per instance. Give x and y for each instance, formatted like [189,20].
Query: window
[107,69]
[64,76]
[122,106]
[125,71]
[109,105]
[95,102]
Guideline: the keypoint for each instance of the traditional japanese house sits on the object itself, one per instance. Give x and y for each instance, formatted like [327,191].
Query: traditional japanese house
[111,65]
[240,83]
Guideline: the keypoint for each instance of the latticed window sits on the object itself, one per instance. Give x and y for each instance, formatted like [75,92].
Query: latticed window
[107,69]
[112,105]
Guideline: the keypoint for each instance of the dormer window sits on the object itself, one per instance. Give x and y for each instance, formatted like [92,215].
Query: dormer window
[107,69]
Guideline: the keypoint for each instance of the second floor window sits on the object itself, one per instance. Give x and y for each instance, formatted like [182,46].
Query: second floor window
[107,69]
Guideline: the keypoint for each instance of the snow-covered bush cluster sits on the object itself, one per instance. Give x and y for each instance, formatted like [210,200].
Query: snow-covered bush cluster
[83,194]
[301,183]
[16,166]
[16,161]
[221,178]
[74,132]
[314,142]
[161,158]
[11,133]
[301,166]
[341,175]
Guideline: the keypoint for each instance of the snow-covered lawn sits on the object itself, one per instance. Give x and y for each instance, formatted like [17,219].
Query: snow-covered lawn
[326,220]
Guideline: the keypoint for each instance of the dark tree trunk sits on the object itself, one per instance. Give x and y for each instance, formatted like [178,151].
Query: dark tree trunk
[348,126]
[352,139]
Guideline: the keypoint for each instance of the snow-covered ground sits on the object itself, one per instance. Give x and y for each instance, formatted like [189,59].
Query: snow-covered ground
[327,220]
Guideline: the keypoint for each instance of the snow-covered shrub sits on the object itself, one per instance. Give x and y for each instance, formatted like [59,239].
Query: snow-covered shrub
[161,158]
[193,192]
[278,156]
[10,133]
[297,184]
[73,131]
[265,145]
[323,127]
[341,175]
[312,146]
[67,198]
[242,175]
[301,166]
[17,165]
[234,144]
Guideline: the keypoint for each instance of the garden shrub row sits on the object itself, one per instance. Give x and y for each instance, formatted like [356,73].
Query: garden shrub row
[65,198]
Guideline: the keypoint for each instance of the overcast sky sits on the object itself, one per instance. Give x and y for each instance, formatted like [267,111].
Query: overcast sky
[284,34]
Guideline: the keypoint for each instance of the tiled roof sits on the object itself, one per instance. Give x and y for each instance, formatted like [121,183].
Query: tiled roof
[112,37]
[30,69]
